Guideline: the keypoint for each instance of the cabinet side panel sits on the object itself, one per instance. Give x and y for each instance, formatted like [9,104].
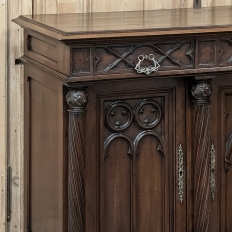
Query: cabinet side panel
[45,159]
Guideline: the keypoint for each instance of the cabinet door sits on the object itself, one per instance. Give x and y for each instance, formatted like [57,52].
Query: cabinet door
[223,148]
[141,155]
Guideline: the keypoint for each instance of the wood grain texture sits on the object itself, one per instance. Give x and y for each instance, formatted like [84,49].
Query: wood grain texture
[201,92]
[46,175]
[130,24]
[76,101]
[15,148]
[15,104]
[3,119]
[81,6]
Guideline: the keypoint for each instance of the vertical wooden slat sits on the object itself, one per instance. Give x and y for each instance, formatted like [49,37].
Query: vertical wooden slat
[15,113]
[208,3]
[153,5]
[119,5]
[45,6]
[3,160]
[70,6]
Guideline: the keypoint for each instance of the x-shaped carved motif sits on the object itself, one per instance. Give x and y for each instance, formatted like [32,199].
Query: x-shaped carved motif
[164,55]
[119,57]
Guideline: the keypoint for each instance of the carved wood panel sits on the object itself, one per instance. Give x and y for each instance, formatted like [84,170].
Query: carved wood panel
[136,165]
[173,55]
[81,61]
[225,52]
[227,118]
[207,53]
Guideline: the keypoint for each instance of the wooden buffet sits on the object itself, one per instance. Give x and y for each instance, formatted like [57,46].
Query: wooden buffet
[128,123]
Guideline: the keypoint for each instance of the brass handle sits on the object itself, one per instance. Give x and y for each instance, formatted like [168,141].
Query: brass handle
[212,172]
[147,70]
[181,173]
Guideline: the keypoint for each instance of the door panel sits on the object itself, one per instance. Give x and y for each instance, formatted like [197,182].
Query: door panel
[137,165]
[223,93]
[116,187]
[150,186]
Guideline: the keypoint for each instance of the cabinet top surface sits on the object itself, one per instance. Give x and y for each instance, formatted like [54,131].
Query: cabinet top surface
[130,24]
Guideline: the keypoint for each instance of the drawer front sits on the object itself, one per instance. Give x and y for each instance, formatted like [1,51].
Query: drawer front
[176,56]
[116,59]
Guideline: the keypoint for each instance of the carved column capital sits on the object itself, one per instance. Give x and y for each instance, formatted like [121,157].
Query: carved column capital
[77,100]
[201,92]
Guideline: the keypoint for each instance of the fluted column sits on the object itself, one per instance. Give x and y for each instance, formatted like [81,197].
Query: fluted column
[201,92]
[77,101]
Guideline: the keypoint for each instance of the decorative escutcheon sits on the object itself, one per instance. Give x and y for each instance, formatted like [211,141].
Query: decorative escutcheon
[181,173]
[213,172]
[151,68]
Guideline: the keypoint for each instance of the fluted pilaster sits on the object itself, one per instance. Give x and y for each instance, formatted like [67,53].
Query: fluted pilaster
[201,92]
[77,101]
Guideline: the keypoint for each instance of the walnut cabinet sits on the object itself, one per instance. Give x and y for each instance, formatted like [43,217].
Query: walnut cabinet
[128,124]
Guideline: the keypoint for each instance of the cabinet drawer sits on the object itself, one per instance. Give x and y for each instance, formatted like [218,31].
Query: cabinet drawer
[180,57]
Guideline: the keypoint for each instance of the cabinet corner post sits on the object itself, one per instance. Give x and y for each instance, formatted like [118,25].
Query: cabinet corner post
[201,91]
[77,100]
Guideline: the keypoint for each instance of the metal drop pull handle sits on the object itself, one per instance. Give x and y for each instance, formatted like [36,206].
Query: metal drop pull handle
[181,173]
[151,68]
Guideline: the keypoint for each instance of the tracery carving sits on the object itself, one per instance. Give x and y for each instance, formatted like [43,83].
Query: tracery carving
[225,49]
[111,138]
[128,55]
[118,116]
[147,114]
[149,133]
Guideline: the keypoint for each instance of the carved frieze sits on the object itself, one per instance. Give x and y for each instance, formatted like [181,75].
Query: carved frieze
[171,55]
[174,55]
[225,52]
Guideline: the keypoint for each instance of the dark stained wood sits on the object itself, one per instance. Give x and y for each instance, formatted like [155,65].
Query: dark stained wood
[137,157]
[201,92]
[77,101]
[138,23]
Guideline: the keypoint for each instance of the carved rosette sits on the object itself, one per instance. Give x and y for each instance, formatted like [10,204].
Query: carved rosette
[201,92]
[77,101]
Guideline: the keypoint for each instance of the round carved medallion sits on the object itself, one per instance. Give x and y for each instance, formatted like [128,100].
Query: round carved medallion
[118,116]
[147,114]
